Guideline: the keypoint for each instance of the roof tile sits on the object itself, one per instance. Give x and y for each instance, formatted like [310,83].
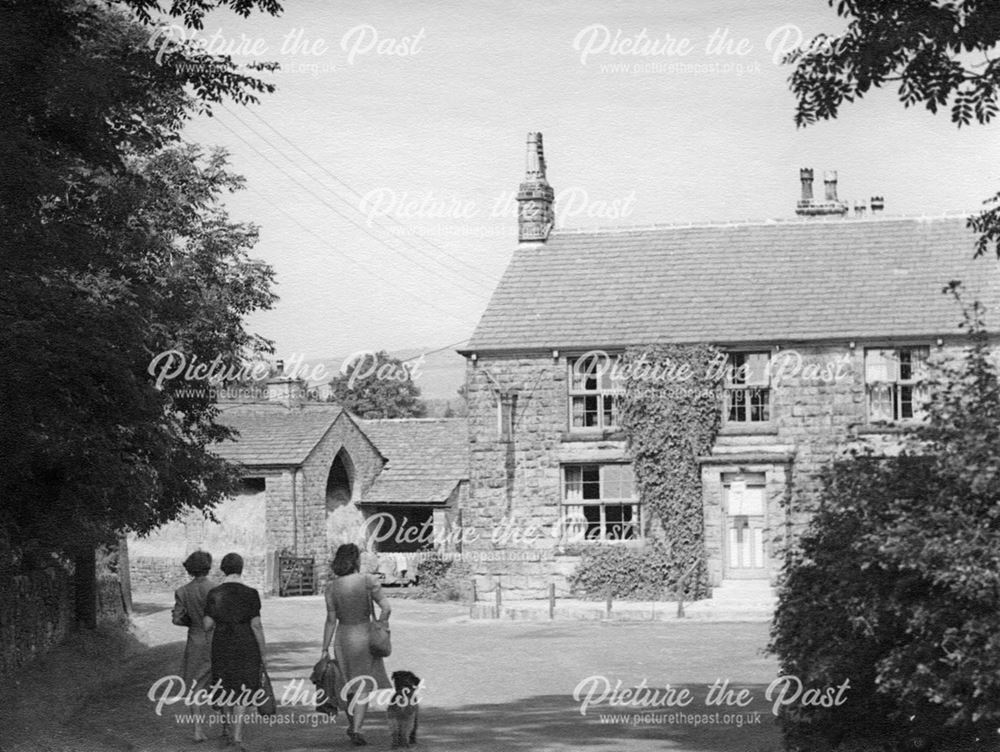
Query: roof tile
[775,281]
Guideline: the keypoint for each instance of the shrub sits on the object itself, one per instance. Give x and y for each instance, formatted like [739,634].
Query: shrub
[896,585]
[647,573]
[443,579]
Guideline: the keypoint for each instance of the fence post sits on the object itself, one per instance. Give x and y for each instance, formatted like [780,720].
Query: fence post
[607,609]
[499,600]
[552,600]
[474,594]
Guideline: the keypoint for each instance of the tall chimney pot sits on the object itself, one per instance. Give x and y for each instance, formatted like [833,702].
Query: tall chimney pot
[877,204]
[830,180]
[806,176]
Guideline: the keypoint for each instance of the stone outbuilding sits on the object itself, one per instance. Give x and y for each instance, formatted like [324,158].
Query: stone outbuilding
[314,477]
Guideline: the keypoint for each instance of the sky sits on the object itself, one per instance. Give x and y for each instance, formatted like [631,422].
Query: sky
[382,170]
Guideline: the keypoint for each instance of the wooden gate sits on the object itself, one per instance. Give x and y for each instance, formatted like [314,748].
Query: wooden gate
[296,575]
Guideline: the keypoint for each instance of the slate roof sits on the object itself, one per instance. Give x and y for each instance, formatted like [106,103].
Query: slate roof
[427,459]
[736,283]
[274,435]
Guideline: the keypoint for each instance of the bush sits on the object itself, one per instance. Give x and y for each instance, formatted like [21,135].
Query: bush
[443,579]
[632,573]
[896,585]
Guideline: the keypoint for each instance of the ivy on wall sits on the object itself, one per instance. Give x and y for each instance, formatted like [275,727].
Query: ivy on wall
[671,414]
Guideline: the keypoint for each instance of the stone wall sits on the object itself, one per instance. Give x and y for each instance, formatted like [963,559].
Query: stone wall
[155,560]
[514,494]
[159,573]
[110,600]
[36,614]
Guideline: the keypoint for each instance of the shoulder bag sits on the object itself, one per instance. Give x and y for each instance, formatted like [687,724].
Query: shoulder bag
[379,642]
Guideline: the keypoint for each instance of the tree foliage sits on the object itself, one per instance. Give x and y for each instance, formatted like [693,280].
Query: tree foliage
[115,247]
[377,385]
[938,53]
[897,583]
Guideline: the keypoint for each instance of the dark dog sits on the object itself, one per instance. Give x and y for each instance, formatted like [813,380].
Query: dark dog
[403,708]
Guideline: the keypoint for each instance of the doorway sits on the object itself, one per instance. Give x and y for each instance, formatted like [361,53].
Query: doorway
[744,522]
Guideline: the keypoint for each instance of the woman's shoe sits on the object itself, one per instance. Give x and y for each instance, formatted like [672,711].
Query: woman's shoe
[357,740]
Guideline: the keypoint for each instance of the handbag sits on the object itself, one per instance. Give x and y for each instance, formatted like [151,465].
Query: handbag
[179,615]
[379,642]
[269,705]
[329,679]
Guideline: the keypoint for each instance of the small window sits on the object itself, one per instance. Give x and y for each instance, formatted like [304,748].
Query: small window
[893,380]
[595,400]
[599,503]
[748,388]
[252,485]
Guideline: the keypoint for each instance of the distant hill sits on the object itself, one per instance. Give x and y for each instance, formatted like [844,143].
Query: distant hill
[439,375]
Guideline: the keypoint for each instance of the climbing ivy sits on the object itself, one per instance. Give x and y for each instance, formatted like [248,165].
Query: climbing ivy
[671,415]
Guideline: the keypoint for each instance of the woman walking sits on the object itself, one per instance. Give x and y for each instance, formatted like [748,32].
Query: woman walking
[232,616]
[349,611]
[189,611]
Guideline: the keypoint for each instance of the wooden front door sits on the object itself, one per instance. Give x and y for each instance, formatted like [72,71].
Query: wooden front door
[744,522]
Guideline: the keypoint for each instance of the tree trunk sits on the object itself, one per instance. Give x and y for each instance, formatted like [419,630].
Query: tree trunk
[125,574]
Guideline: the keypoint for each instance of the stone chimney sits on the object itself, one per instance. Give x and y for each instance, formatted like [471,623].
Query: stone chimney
[808,206]
[830,182]
[286,390]
[535,197]
[806,176]
[859,209]
[877,204]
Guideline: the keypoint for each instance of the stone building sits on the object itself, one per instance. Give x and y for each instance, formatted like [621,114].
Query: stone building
[314,476]
[827,322]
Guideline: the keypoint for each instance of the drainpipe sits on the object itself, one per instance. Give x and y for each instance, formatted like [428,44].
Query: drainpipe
[295,513]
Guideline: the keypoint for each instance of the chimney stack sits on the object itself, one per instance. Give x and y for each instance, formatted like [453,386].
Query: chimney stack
[535,197]
[806,176]
[808,206]
[859,209]
[830,181]
[877,204]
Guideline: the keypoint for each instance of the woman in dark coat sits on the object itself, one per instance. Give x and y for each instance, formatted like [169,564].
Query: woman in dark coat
[189,611]
[232,616]
[349,599]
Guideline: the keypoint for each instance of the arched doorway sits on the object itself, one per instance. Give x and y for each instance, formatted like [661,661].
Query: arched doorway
[340,482]
[343,518]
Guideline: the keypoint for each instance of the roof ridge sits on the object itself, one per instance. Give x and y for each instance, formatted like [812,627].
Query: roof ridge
[846,220]
[412,420]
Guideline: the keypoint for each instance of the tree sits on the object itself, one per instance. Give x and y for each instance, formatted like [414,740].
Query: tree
[896,585]
[376,385]
[116,247]
[937,52]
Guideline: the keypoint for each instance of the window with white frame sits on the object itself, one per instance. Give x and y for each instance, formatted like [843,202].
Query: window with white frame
[893,379]
[748,388]
[594,398]
[600,503]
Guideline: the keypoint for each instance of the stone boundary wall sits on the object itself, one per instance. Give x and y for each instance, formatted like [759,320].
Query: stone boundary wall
[36,614]
[110,600]
[154,573]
